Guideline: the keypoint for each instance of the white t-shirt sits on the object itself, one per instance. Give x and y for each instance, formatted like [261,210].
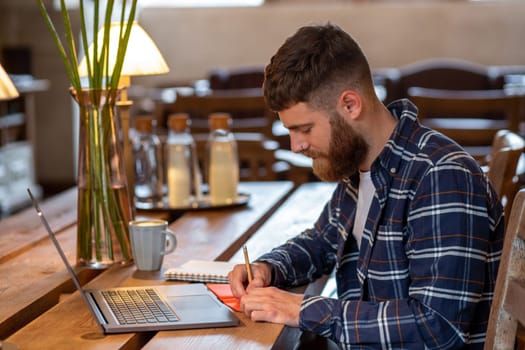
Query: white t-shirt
[364,199]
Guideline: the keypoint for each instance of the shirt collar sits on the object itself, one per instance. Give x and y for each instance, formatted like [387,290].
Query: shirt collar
[406,112]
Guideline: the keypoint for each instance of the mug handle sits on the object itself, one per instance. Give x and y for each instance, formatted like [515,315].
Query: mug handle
[171,242]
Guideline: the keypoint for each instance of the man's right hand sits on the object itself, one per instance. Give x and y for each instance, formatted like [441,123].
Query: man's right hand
[238,277]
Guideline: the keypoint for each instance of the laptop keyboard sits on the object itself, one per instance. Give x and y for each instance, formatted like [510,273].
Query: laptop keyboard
[136,306]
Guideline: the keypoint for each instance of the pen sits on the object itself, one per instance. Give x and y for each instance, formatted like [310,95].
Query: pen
[247,262]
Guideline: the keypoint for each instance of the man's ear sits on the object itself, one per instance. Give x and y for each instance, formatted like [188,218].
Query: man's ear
[349,104]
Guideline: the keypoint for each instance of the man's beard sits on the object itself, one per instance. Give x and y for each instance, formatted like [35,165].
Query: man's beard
[346,151]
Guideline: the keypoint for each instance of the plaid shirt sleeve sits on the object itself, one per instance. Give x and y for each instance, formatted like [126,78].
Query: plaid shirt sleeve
[307,256]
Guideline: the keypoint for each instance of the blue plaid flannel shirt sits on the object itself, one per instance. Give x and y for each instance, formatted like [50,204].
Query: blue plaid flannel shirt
[425,274]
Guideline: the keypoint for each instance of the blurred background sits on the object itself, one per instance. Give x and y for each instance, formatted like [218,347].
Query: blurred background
[196,41]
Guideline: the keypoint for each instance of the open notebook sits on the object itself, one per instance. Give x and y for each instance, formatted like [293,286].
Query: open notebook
[148,308]
[201,271]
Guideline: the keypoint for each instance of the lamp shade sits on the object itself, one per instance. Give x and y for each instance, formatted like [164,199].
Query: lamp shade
[142,55]
[7,88]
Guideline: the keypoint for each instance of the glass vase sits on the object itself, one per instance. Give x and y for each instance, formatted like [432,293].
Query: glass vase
[104,209]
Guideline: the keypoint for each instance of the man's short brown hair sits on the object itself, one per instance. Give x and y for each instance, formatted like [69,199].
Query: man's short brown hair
[314,66]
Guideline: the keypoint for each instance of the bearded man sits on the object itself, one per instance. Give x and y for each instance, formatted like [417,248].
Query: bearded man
[414,229]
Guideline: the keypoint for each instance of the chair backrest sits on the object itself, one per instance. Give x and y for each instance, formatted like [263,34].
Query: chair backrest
[246,106]
[470,117]
[508,305]
[244,77]
[444,73]
[507,149]
[256,156]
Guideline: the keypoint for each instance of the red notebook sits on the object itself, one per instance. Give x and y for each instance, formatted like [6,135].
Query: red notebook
[224,293]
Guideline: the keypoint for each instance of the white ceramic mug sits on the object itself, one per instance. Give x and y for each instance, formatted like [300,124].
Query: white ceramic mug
[150,241]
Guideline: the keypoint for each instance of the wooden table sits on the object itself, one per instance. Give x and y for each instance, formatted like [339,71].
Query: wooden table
[35,311]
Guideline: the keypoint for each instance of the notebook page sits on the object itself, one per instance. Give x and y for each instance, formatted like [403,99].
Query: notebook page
[201,271]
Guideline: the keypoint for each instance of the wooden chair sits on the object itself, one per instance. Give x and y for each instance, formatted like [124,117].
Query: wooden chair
[470,117]
[502,166]
[444,73]
[437,73]
[247,107]
[244,77]
[507,313]
[256,156]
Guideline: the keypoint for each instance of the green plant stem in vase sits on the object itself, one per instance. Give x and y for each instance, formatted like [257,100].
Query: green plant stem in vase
[104,209]
[103,201]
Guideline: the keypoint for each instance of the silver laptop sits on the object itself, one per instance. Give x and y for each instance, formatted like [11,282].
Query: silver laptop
[150,308]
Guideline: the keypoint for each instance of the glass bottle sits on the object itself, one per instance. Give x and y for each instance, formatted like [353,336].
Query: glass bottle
[223,163]
[147,155]
[182,172]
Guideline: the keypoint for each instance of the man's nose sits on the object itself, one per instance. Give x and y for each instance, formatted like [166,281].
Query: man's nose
[297,144]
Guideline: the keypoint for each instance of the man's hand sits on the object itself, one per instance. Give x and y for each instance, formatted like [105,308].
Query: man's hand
[263,303]
[271,304]
[238,277]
